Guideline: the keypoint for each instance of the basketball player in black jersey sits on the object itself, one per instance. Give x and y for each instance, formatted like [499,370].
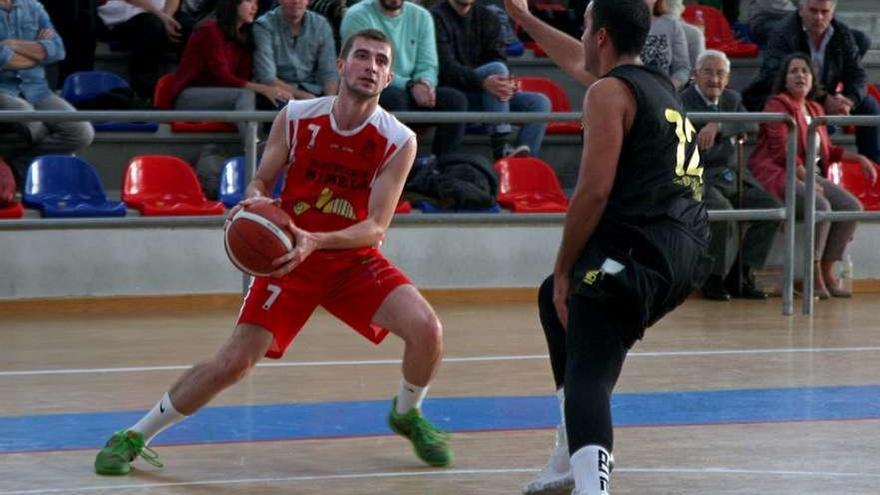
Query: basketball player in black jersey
[635,236]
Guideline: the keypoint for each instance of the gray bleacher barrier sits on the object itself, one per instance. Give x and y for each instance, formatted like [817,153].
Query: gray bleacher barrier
[253,118]
[811,216]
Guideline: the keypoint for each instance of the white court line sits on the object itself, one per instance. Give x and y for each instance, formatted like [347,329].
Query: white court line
[372,362]
[437,473]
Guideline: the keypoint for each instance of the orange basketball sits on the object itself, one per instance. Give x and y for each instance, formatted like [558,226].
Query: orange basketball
[256,236]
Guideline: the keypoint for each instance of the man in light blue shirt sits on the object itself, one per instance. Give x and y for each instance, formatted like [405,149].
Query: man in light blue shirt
[27,43]
[295,51]
[414,88]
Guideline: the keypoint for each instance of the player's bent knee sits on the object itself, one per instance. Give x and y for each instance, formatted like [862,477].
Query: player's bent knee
[430,332]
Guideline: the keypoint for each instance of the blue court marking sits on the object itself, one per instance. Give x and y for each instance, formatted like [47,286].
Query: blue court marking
[365,418]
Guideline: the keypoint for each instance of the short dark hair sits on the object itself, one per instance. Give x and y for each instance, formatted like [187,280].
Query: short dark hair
[779,82]
[627,22]
[370,34]
[226,15]
[660,8]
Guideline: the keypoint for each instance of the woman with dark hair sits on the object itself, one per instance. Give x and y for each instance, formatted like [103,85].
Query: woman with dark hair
[666,48]
[217,64]
[793,90]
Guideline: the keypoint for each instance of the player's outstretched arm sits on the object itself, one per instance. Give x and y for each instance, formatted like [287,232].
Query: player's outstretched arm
[565,51]
[609,109]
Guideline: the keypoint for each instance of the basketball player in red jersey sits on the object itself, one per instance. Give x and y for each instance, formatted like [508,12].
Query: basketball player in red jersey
[346,161]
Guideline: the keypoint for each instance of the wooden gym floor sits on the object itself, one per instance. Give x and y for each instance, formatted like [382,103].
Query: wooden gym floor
[720,398]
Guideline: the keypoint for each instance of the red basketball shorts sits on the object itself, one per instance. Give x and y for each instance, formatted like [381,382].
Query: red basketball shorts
[351,286]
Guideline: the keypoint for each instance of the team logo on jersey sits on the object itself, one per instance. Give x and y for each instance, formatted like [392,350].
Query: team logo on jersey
[591,276]
[329,205]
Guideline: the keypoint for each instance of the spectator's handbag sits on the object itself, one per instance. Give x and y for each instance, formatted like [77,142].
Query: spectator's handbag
[7,184]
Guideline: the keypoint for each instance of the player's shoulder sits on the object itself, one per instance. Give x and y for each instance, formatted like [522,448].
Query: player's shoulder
[609,92]
[315,107]
[390,126]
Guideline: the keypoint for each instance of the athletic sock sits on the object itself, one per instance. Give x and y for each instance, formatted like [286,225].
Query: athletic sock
[160,417]
[409,396]
[591,466]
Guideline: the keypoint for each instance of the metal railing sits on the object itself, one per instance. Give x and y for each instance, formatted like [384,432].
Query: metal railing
[252,119]
[786,213]
[811,216]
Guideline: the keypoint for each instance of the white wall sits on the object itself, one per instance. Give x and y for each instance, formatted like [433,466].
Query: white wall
[104,262]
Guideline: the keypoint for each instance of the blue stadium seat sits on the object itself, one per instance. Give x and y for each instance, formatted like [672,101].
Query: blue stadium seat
[88,85]
[232,184]
[67,186]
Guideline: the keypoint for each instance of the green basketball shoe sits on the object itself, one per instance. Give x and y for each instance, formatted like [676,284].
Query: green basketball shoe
[123,448]
[429,442]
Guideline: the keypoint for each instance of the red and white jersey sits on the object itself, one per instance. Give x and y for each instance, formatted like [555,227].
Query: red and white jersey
[331,171]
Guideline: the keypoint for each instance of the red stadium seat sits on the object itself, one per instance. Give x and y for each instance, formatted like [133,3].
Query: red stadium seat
[528,185]
[11,210]
[162,101]
[849,176]
[558,102]
[719,34]
[159,185]
[403,207]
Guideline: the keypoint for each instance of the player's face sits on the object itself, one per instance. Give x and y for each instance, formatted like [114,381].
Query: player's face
[816,15]
[367,69]
[712,78]
[391,5]
[247,10]
[293,10]
[798,79]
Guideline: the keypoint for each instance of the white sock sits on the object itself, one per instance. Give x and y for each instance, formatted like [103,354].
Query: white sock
[160,417]
[591,466]
[410,396]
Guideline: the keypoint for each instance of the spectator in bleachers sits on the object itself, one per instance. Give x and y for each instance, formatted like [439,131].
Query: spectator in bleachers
[149,30]
[696,39]
[76,23]
[295,51]
[794,91]
[217,64]
[334,11]
[842,88]
[765,16]
[414,87]
[718,157]
[194,11]
[28,42]
[472,59]
[666,48]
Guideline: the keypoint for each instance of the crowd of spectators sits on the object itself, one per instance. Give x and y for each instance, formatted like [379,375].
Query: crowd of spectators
[450,55]
[248,54]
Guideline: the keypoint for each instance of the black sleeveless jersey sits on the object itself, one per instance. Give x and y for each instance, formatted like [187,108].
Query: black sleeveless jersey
[654,224]
[659,176]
